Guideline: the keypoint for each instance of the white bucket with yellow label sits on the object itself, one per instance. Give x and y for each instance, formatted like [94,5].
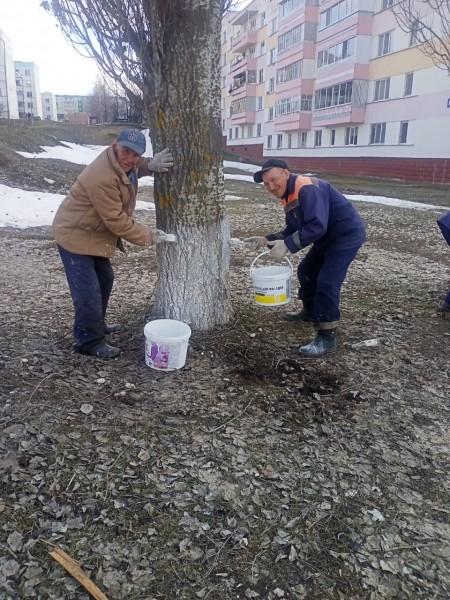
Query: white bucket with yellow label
[272,284]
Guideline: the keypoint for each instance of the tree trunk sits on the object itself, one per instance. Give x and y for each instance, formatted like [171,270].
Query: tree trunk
[193,283]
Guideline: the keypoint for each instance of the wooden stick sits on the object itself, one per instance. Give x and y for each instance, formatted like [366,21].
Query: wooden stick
[75,570]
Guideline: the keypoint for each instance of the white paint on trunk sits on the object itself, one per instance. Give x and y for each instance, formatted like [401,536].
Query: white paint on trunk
[192,283]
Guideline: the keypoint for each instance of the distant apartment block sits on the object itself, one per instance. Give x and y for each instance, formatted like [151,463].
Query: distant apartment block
[70,105]
[333,86]
[28,90]
[49,106]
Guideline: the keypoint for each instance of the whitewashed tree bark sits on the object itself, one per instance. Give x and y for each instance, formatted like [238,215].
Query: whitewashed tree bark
[168,52]
[193,281]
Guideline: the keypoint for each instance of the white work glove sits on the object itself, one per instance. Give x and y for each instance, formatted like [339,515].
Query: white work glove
[161,162]
[255,243]
[279,249]
[159,236]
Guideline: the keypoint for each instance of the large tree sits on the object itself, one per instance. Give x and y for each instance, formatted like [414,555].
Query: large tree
[428,23]
[168,53]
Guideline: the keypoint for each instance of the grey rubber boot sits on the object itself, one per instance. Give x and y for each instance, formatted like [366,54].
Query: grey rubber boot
[324,343]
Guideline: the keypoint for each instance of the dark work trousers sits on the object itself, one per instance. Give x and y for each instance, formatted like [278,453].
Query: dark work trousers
[321,275]
[90,280]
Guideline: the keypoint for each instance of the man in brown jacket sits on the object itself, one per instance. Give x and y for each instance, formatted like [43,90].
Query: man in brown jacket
[91,222]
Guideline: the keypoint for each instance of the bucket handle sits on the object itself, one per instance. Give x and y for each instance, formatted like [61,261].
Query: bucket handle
[267,252]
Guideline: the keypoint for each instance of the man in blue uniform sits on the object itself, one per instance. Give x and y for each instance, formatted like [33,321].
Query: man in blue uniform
[319,216]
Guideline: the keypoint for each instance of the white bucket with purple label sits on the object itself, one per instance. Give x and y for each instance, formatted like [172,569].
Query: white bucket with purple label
[166,344]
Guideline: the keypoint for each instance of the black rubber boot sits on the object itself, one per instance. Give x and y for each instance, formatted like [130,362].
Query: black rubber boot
[444,309]
[324,343]
[113,328]
[103,350]
[301,315]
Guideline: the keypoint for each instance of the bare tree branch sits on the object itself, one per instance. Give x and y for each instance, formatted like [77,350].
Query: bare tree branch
[428,23]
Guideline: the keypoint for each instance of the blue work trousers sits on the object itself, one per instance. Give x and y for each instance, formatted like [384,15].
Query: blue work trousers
[321,274]
[90,280]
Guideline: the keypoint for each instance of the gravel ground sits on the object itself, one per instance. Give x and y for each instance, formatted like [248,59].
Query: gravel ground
[251,472]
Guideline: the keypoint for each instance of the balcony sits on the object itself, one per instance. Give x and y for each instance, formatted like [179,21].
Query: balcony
[243,63]
[244,40]
[338,115]
[244,117]
[293,122]
[242,89]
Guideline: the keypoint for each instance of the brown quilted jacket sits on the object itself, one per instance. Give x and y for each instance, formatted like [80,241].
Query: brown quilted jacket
[98,210]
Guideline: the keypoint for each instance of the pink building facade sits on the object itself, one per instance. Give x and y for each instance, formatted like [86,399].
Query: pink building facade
[333,86]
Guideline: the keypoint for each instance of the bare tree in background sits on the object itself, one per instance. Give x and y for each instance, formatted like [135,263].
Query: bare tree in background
[428,23]
[167,52]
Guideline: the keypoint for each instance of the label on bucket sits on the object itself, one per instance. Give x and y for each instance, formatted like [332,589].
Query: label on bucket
[163,356]
[277,294]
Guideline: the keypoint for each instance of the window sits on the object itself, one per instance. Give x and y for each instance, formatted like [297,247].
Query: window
[290,38]
[258,130]
[262,19]
[260,103]
[403,136]
[273,26]
[287,106]
[409,77]
[272,56]
[27,72]
[318,137]
[260,75]
[414,33]
[335,95]
[236,132]
[384,44]
[262,48]
[289,140]
[29,94]
[269,141]
[272,85]
[351,136]
[387,3]
[250,131]
[377,133]
[270,117]
[290,72]
[279,141]
[287,6]
[332,137]
[223,124]
[382,89]
[303,139]
[306,102]
[336,13]
[336,53]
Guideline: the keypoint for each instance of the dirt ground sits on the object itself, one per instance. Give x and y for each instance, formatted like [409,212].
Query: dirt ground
[251,472]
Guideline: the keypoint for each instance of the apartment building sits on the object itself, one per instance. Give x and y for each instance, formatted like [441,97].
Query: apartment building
[49,106]
[8,97]
[333,86]
[28,90]
[68,106]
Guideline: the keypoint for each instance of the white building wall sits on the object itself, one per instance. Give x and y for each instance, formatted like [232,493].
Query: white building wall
[8,96]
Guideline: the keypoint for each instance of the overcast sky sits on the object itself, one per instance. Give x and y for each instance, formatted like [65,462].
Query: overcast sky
[36,38]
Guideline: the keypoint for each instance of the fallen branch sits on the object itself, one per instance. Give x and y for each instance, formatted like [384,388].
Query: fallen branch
[74,569]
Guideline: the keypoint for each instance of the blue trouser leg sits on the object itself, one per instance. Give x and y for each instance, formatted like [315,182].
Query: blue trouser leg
[321,275]
[90,280]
